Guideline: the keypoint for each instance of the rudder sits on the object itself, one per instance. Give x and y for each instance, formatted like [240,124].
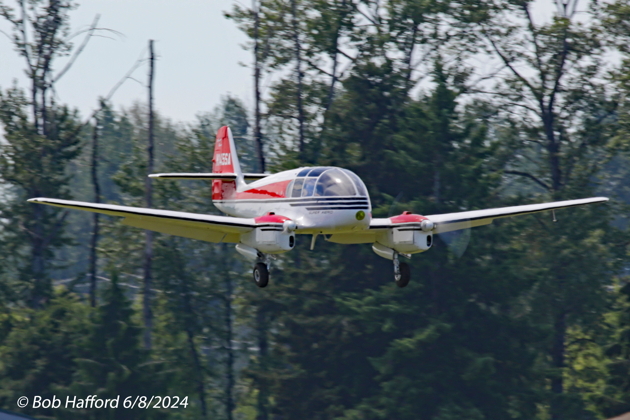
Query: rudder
[225,160]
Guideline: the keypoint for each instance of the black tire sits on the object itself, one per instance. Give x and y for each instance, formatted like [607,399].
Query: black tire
[405,275]
[261,274]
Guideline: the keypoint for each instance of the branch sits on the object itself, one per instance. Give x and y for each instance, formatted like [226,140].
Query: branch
[111,92]
[22,29]
[560,73]
[369,18]
[508,63]
[530,176]
[532,29]
[78,51]
[347,56]
[7,35]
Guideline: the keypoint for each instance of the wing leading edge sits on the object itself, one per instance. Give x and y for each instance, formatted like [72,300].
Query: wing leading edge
[462,220]
[204,227]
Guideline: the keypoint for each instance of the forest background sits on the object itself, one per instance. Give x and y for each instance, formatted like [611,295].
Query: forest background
[439,106]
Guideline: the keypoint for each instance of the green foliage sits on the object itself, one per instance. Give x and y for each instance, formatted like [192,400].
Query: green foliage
[39,350]
[111,361]
[33,165]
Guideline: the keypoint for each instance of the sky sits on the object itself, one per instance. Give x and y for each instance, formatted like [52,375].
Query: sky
[199,54]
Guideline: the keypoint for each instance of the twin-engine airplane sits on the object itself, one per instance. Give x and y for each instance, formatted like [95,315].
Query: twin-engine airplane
[267,213]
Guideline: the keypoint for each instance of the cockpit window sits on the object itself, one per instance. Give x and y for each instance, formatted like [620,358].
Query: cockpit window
[309,187]
[357,182]
[316,172]
[334,182]
[297,187]
[326,182]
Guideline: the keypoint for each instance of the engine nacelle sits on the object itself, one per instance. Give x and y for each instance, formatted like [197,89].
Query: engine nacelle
[411,234]
[407,240]
[270,240]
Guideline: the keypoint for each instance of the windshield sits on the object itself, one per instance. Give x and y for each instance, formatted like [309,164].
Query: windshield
[334,182]
[326,182]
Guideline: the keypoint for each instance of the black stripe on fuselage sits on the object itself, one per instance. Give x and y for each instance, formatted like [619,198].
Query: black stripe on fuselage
[338,208]
[313,200]
[338,203]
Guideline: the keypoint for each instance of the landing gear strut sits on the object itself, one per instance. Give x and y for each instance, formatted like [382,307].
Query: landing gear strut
[402,273]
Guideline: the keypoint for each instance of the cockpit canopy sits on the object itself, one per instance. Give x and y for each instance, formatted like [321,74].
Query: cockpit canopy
[326,182]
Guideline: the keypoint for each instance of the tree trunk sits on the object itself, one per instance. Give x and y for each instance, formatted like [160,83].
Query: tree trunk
[148,249]
[262,402]
[558,358]
[229,387]
[257,132]
[37,259]
[200,386]
[299,76]
[95,226]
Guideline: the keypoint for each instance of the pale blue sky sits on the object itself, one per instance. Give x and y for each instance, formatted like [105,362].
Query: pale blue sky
[199,54]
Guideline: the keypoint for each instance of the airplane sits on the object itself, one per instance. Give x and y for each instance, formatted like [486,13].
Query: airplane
[266,214]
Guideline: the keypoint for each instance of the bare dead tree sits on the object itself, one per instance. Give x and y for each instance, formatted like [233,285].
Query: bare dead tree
[298,76]
[148,198]
[257,132]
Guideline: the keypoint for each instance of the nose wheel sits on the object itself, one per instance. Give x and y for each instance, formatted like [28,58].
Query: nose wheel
[402,272]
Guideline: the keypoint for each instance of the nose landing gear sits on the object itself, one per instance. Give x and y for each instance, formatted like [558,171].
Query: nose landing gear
[402,272]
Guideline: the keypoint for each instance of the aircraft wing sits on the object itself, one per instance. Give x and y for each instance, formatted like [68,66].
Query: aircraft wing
[456,221]
[462,220]
[204,227]
[467,219]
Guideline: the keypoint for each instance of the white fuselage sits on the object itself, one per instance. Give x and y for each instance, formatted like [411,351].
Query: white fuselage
[330,200]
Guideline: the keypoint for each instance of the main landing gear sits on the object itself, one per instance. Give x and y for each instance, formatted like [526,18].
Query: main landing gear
[261,274]
[402,273]
[261,269]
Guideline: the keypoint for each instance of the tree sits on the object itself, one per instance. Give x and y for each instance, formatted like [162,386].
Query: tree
[32,230]
[553,92]
[39,351]
[615,400]
[111,360]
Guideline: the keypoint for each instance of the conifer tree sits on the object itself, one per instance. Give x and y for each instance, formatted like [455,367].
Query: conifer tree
[112,361]
[33,165]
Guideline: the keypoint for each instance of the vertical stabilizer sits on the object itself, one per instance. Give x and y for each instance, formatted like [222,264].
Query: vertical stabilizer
[226,161]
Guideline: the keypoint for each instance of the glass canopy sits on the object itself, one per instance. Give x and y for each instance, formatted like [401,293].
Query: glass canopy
[326,182]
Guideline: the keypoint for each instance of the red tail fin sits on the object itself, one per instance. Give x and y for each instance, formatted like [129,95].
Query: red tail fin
[225,161]
[222,162]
